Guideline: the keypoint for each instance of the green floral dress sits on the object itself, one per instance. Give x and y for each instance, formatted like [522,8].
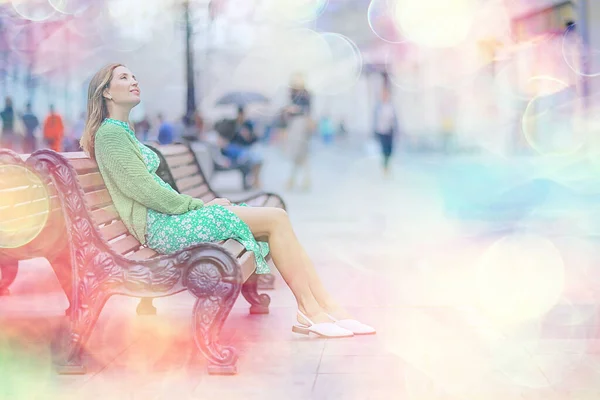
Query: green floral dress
[168,234]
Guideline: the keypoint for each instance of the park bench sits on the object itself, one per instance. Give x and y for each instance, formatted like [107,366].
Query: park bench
[56,206]
[181,168]
[222,164]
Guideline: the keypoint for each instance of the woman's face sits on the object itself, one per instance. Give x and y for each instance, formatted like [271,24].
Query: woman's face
[123,88]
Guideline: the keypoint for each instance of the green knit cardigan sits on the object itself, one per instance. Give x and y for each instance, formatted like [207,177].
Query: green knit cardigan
[132,188]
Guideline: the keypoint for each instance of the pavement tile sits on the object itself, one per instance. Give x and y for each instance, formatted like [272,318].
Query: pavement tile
[258,386]
[366,345]
[350,364]
[358,387]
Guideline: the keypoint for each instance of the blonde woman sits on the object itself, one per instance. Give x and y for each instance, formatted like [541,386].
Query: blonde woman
[167,221]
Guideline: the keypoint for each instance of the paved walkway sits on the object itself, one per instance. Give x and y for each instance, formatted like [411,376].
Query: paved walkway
[460,315]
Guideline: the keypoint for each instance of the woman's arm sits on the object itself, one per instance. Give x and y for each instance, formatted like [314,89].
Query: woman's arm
[118,160]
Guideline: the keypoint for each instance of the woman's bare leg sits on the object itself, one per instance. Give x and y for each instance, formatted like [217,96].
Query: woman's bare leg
[291,260]
[323,297]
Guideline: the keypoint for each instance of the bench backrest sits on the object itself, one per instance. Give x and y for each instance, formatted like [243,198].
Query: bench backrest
[99,205]
[183,171]
[103,211]
[27,205]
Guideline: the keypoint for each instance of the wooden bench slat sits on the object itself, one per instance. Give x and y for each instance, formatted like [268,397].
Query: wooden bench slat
[98,198]
[258,201]
[273,201]
[265,200]
[113,230]
[248,264]
[74,155]
[91,181]
[209,196]
[189,182]
[142,254]
[18,222]
[176,161]
[13,189]
[233,246]
[11,180]
[22,195]
[104,215]
[173,149]
[84,165]
[23,232]
[125,245]
[185,171]
[201,192]
[30,207]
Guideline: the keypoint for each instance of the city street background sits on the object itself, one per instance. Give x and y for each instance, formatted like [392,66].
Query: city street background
[474,255]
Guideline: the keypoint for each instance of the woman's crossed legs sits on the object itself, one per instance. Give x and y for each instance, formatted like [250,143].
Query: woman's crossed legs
[291,260]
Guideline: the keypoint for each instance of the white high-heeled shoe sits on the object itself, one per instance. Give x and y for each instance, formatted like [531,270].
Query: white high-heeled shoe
[354,326]
[323,329]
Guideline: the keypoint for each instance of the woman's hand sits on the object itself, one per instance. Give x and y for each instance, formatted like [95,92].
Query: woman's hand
[219,202]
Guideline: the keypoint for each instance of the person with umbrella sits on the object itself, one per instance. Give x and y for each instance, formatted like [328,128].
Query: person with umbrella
[240,146]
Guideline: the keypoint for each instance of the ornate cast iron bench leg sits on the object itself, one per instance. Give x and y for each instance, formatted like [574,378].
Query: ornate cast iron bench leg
[8,273]
[216,283]
[259,303]
[71,340]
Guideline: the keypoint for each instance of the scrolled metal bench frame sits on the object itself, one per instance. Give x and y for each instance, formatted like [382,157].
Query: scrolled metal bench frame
[90,272]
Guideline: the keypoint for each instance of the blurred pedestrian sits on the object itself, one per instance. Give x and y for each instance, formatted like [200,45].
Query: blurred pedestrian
[8,125]
[31,123]
[300,129]
[54,130]
[385,126]
[166,131]
[326,129]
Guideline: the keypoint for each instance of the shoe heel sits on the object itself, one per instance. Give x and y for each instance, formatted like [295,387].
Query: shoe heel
[301,330]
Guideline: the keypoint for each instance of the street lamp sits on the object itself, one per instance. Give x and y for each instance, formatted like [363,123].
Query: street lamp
[189,23]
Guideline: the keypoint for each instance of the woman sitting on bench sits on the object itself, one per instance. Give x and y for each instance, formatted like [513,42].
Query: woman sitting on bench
[167,221]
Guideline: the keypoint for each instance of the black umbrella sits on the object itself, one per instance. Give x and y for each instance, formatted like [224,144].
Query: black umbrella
[242,98]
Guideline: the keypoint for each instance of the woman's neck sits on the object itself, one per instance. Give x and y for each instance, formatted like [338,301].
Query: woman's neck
[119,114]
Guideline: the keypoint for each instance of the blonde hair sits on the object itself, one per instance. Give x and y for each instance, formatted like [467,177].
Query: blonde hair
[298,81]
[97,110]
